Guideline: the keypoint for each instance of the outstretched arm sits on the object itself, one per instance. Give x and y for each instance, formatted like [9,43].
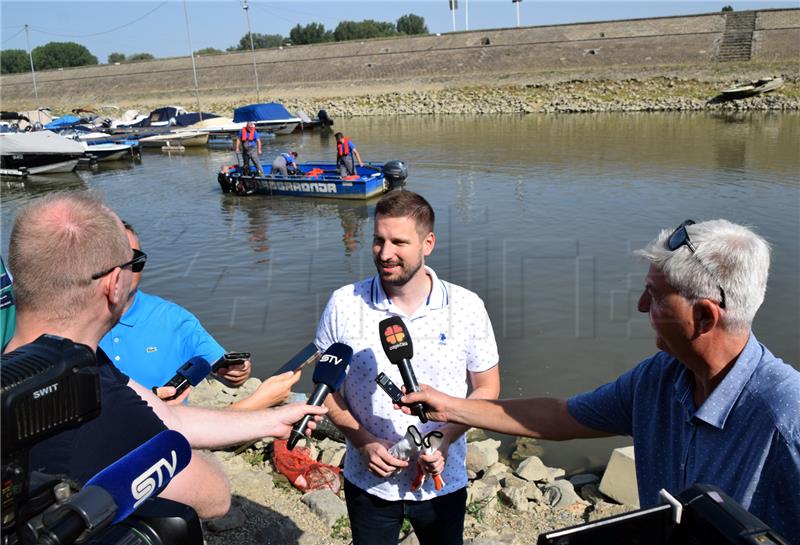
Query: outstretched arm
[544,418]
[358,156]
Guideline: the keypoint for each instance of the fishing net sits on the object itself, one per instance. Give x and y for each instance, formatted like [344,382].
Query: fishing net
[302,470]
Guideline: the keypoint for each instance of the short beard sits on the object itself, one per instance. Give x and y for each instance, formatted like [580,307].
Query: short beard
[403,279]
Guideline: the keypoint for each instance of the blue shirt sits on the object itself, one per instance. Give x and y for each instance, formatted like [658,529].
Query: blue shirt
[154,338]
[289,158]
[745,438]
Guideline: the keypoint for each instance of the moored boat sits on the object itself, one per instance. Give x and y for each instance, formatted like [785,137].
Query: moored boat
[763,85]
[37,152]
[182,138]
[316,180]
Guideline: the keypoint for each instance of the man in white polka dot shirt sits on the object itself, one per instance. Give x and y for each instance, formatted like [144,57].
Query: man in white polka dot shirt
[454,349]
[714,406]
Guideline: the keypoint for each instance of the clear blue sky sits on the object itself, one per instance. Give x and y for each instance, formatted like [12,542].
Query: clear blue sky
[159,27]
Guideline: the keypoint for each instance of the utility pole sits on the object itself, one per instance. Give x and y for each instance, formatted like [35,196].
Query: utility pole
[466,14]
[191,52]
[252,49]
[516,2]
[453,8]
[30,57]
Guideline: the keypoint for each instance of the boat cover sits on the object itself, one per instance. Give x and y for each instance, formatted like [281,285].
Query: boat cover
[213,123]
[38,142]
[63,122]
[184,120]
[270,111]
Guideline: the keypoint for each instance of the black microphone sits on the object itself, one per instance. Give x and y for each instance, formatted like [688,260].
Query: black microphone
[397,345]
[329,374]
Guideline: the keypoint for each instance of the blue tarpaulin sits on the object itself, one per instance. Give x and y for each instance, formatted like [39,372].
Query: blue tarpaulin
[63,122]
[271,111]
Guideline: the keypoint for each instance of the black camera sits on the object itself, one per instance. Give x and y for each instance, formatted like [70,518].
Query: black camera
[49,386]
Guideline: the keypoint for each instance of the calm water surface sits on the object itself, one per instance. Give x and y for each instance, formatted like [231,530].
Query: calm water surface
[538,214]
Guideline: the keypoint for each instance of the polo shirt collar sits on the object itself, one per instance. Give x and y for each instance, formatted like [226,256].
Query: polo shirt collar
[715,410]
[131,315]
[438,298]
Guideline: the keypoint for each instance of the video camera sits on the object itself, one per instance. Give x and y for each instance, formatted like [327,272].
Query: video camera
[50,386]
[700,515]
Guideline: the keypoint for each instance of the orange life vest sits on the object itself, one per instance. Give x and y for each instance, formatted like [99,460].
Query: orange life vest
[248,137]
[343,148]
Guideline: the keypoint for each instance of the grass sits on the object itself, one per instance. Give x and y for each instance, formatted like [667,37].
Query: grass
[341,529]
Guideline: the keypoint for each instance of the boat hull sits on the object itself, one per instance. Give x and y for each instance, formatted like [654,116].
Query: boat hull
[40,168]
[370,183]
[186,140]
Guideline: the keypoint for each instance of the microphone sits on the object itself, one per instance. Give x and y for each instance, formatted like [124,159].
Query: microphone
[190,373]
[116,491]
[398,348]
[329,374]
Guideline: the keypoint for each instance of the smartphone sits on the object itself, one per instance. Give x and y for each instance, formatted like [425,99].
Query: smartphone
[189,374]
[229,359]
[309,353]
[389,387]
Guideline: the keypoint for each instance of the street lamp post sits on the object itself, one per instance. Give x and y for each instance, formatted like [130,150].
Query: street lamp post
[252,49]
[516,2]
[453,8]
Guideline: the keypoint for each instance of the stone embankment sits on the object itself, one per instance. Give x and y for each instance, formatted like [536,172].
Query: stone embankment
[509,502]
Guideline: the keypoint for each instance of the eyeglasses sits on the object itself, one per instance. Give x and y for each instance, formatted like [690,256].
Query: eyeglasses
[136,264]
[680,237]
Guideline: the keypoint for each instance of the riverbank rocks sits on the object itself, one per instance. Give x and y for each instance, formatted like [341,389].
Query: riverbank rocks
[326,505]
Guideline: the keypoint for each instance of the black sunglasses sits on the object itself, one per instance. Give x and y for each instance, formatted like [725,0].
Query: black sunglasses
[680,237]
[136,264]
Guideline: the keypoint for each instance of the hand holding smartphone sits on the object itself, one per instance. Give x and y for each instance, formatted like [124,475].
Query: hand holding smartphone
[229,359]
[309,353]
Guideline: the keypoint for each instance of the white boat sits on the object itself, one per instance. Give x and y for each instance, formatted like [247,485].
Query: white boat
[763,85]
[108,151]
[181,138]
[37,152]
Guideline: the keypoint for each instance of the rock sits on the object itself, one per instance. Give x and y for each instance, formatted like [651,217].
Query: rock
[525,447]
[604,509]
[533,469]
[410,539]
[591,493]
[497,470]
[326,505]
[482,454]
[482,490]
[252,484]
[530,489]
[475,434]
[560,494]
[515,498]
[234,518]
[619,479]
[583,479]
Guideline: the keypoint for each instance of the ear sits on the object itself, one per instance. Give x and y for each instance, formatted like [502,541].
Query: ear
[113,287]
[706,316]
[428,243]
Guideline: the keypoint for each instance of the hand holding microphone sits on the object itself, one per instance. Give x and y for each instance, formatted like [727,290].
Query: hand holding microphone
[398,348]
[329,374]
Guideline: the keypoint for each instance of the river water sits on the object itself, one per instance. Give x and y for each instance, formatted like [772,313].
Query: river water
[537,214]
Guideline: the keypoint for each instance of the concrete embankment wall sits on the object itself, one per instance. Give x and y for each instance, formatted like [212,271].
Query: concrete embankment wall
[472,58]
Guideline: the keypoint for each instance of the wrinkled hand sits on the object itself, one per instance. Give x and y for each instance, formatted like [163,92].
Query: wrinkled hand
[433,464]
[380,462]
[275,390]
[165,392]
[237,373]
[436,403]
[286,416]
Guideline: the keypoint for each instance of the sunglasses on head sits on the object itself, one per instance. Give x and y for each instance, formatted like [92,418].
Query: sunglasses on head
[136,264]
[680,237]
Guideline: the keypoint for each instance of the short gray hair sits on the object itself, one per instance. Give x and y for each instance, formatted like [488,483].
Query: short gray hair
[57,244]
[737,257]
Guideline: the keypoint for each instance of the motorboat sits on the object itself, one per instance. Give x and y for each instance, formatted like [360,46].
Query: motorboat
[270,117]
[109,151]
[176,138]
[37,152]
[316,180]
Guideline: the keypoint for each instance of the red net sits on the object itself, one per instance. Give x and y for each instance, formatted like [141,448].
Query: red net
[302,470]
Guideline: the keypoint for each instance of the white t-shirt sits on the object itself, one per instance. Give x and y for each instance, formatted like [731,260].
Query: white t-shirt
[451,335]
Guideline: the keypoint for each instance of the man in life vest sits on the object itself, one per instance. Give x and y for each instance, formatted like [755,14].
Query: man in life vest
[345,150]
[285,164]
[249,139]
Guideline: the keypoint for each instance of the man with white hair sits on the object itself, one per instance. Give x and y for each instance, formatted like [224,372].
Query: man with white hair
[714,406]
[73,270]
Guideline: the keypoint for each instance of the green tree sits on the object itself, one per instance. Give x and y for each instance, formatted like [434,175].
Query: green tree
[13,61]
[352,30]
[208,51]
[411,24]
[116,57]
[136,57]
[61,55]
[727,8]
[312,33]
[260,41]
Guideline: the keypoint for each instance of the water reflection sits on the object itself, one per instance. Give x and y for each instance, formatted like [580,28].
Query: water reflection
[36,184]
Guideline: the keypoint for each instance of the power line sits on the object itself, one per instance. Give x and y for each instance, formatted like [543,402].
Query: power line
[40,31]
[14,36]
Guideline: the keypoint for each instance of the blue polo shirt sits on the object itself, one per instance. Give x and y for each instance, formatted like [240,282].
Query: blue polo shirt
[745,438]
[154,338]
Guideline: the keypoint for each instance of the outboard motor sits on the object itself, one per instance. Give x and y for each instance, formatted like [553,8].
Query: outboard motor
[324,120]
[395,172]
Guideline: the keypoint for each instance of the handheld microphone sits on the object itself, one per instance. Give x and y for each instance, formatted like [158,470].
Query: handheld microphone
[116,491]
[329,374]
[398,348]
[190,373]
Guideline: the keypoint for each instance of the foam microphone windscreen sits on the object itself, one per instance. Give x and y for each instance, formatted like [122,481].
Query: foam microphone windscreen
[143,472]
[195,370]
[332,366]
[395,339]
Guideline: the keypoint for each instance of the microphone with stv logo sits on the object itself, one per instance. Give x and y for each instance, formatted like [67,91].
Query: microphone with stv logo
[329,374]
[398,348]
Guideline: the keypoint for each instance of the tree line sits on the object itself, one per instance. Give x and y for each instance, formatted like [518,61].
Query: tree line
[54,55]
